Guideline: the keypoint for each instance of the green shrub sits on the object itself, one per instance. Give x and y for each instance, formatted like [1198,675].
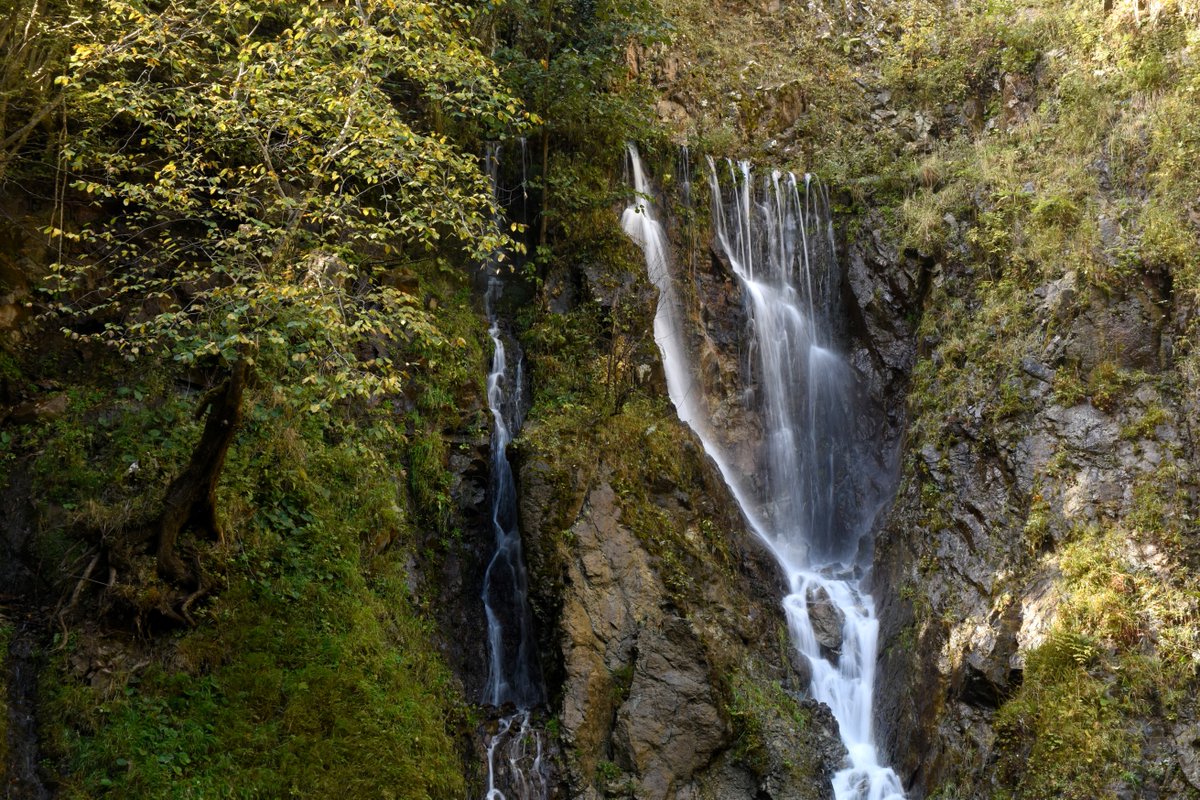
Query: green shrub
[312,674]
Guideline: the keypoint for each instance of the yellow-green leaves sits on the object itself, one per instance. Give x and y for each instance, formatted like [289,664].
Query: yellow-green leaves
[258,165]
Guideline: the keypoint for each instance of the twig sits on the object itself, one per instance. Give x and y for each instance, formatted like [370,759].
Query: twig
[87,574]
[187,604]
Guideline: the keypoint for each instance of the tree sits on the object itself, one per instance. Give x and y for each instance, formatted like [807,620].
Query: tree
[259,167]
[29,96]
[567,60]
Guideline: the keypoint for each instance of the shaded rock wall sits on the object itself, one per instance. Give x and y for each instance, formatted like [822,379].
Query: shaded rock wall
[648,669]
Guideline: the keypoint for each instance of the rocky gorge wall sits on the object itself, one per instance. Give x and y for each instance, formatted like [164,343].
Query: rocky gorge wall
[1037,572]
[1021,250]
[665,646]
[663,638]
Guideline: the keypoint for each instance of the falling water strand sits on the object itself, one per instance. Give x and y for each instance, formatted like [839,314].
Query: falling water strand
[779,242]
[684,179]
[516,749]
[639,223]
[524,180]
[514,675]
[684,175]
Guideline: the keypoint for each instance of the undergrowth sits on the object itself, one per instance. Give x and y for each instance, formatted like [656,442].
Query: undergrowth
[1124,647]
[312,670]
[310,673]
[759,712]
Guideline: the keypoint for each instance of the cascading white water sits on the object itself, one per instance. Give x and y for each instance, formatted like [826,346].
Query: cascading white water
[514,676]
[520,745]
[639,224]
[781,249]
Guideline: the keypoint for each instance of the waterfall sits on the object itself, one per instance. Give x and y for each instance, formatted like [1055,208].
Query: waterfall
[639,224]
[519,744]
[804,503]
[514,675]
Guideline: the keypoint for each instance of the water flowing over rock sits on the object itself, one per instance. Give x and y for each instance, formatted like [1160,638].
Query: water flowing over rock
[516,755]
[817,493]
[514,672]
[514,676]
[827,621]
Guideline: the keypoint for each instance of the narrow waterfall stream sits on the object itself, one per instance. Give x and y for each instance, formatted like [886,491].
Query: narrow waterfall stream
[778,241]
[515,751]
[513,675]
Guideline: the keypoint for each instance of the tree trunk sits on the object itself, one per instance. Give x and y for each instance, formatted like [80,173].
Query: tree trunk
[191,498]
[545,186]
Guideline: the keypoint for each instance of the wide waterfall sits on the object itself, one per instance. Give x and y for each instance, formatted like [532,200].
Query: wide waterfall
[776,235]
[514,675]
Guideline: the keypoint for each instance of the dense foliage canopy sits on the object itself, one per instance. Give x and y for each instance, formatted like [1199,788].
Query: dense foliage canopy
[261,173]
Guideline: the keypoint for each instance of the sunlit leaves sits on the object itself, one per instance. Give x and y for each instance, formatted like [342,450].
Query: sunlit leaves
[261,166]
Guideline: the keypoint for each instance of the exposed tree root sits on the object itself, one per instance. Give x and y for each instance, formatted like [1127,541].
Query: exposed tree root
[187,604]
[87,574]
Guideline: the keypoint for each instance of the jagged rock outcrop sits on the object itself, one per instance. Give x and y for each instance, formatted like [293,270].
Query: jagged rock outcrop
[1086,454]
[827,621]
[669,688]
[725,372]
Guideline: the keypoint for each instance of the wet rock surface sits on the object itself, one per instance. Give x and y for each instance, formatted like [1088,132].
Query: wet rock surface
[456,573]
[827,621]
[21,774]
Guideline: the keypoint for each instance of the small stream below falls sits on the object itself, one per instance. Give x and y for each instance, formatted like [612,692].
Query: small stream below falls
[806,498]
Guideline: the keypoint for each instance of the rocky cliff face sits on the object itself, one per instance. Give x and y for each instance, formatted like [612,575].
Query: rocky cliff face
[1022,290]
[671,691]
[672,674]
[1055,518]
[1036,575]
